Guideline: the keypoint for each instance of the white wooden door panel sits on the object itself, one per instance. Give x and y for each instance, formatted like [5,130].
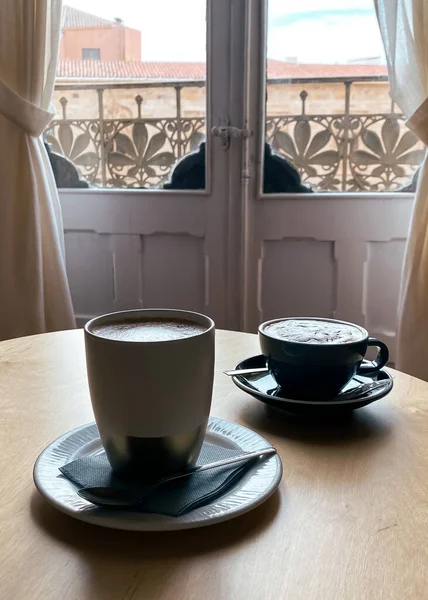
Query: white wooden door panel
[345,216]
[129,250]
[130,212]
[332,256]
[383,275]
[383,284]
[294,272]
[90,269]
[174,266]
[126,271]
[111,272]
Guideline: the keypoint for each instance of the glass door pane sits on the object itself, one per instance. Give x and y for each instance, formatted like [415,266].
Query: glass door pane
[131,94]
[330,122]
[326,219]
[140,123]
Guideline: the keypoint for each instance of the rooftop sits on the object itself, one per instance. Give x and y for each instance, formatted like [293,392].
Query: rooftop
[73,18]
[116,71]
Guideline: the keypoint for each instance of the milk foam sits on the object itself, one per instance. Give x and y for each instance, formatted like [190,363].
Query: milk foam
[148,330]
[308,331]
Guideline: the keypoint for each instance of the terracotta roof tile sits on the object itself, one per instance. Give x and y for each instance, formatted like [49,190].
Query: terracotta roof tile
[121,70]
[279,69]
[73,18]
[96,69]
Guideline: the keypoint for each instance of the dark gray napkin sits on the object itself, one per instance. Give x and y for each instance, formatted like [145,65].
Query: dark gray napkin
[172,498]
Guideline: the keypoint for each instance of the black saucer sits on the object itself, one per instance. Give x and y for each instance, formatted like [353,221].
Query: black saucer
[264,388]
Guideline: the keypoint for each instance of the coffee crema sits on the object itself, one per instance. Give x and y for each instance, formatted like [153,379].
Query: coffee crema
[148,330]
[312,331]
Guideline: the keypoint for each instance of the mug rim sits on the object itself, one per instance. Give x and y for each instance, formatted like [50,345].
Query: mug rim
[262,327]
[156,312]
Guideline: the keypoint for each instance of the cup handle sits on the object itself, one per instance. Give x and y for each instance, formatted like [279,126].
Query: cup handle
[371,366]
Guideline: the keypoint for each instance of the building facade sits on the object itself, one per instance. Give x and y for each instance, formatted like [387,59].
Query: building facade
[88,37]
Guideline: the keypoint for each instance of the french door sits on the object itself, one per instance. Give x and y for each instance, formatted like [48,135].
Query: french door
[231,250]
[129,248]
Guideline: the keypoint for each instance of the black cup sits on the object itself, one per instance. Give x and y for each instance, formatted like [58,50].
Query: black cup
[317,370]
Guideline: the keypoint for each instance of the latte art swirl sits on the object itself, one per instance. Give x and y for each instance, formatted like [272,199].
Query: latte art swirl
[312,331]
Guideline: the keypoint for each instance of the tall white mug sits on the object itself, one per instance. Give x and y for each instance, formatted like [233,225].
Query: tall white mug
[151,399]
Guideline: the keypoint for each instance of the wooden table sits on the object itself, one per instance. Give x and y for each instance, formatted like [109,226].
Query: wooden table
[350,520]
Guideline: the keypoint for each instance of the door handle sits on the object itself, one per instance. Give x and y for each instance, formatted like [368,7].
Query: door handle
[225,133]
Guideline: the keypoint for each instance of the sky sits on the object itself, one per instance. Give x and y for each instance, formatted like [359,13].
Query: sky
[308,31]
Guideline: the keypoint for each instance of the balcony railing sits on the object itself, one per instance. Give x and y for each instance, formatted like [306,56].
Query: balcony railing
[332,152]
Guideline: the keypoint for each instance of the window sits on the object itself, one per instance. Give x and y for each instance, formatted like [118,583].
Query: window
[330,122]
[328,112]
[91,54]
[128,119]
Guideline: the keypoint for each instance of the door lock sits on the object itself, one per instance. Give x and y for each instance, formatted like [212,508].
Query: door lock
[225,133]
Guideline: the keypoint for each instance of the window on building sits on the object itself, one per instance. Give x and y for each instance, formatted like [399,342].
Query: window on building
[91,54]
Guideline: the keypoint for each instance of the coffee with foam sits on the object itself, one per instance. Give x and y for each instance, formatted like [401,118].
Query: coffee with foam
[313,331]
[148,330]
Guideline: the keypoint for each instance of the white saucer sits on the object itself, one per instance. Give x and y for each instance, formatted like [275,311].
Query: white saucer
[254,488]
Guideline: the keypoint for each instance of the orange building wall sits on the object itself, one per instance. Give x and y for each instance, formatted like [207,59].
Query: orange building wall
[115,43]
[132,44]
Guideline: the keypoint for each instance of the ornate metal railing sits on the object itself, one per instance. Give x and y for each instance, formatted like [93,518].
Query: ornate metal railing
[332,152]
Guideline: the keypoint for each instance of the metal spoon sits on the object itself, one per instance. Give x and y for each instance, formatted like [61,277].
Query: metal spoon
[256,371]
[363,389]
[110,496]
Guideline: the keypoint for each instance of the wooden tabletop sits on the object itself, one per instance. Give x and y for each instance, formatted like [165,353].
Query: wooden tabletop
[350,520]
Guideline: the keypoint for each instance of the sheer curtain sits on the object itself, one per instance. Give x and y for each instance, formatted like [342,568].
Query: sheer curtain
[404,28]
[34,293]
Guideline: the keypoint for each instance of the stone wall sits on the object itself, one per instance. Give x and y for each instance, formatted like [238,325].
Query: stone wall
[282,99]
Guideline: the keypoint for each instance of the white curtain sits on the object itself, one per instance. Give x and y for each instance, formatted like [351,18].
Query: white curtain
[34,293]
[404,28]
